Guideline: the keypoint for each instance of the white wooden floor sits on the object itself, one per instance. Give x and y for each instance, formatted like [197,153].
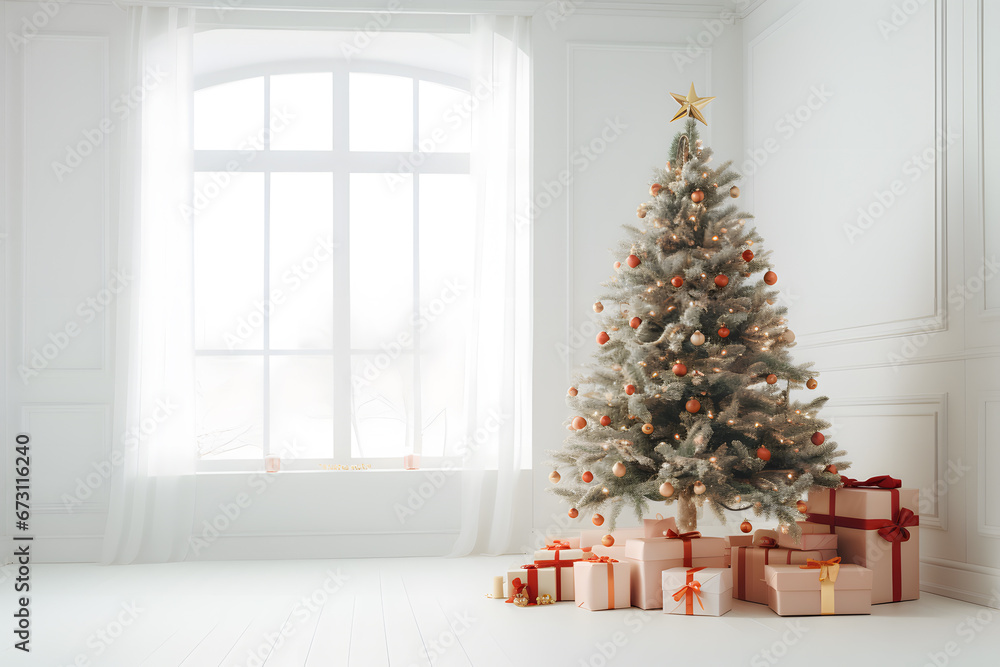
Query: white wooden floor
[404,612]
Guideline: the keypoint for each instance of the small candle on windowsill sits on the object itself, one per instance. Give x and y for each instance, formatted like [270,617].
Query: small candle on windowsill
[411,461]
[272,463]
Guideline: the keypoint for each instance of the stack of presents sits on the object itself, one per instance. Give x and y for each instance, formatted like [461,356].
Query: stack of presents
[859,546]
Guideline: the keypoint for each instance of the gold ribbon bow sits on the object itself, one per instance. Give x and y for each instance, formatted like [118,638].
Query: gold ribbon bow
[828,571]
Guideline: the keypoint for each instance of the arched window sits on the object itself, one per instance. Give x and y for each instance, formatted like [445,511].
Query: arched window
[332,263]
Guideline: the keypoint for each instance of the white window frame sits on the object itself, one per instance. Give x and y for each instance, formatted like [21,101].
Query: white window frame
[341,162]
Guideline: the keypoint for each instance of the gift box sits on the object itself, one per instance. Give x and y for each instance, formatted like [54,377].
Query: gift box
[735,541]
[697,591]
[560,556]
[877,527]
[749,563]
[539,580]
[617,551]
[651,556]
[592,538]
[602,583]
[659,526]
[814,536]
[819,588]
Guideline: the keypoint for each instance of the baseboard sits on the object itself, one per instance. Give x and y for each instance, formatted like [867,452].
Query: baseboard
[969,583]
[66,548]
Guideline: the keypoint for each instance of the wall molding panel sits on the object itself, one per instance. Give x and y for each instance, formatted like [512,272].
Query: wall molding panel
[934,406]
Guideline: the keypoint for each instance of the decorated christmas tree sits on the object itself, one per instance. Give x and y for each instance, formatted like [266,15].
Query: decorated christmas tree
[692,395]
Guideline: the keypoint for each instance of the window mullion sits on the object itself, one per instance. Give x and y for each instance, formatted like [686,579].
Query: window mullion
[266,333]
[341,270]
[418,422]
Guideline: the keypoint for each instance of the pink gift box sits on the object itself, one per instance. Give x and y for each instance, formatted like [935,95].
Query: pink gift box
[699,591]
[735,541]
[651,556]
[659,526]
[876,528]
[812,537]
[749,563]
[792,591]
[617,552]
[592,538]
[602,584]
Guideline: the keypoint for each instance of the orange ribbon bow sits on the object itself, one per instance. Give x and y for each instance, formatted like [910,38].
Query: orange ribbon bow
[828,569]
[556,545]
[683,536]
[594,558]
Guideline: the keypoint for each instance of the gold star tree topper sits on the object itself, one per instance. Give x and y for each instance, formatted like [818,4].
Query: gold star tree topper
[691,105]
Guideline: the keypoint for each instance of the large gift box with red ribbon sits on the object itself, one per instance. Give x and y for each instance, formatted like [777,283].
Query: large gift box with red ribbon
[877,527]
[748,563]
[650,556]
[560,556]
[697,591]
[602,583]
[819,588]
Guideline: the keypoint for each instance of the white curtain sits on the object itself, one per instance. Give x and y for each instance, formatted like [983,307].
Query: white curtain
[152,495]
[496,493]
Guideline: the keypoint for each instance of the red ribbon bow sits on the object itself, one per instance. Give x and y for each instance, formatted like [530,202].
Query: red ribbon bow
[683,536]
[557,544]
[594,558]
[896,531]
[879,481]
[767,543]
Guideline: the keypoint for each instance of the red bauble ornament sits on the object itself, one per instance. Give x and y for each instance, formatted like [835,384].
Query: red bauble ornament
[630,389]
[634,322]
[692,405]
[607,540]
[770,277]
[697,196]
[676,281]
[603,338]
[605,421]
[763,453]
[771,379]
[647,428]
[654,189]
[723,332]
[747,255]
[572,391]
[598,520]
[587,476]
[680,370]
[746,526]
[578,423]
[801,506]
[632,261]
[573,513]
[721,280]
[818,438]
[811,383]
[832,469]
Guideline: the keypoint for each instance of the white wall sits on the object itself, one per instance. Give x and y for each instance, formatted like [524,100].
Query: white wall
[891,308]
